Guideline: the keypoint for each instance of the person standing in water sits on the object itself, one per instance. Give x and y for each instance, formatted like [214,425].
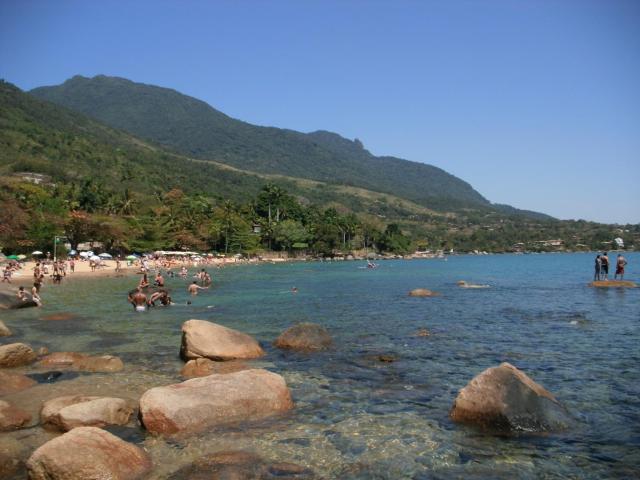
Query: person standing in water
[138,300]
[598,265]
[620,264]
[605,266]
[194,287]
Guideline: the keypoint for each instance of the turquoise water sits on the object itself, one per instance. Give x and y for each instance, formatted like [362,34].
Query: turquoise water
[356,417]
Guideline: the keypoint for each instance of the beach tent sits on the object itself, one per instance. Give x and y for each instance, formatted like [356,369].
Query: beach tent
[105,255]
[37,252]
[12,257]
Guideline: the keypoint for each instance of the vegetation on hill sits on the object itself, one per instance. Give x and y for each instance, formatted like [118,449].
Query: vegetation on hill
[105,185]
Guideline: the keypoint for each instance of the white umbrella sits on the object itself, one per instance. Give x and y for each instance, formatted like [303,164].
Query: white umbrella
[84,254]
[37,252]
[95,258]
[105,255]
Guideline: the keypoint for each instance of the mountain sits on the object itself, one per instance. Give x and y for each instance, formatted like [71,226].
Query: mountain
[193,128]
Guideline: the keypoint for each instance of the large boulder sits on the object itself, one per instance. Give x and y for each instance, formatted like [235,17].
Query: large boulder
[214,400]
[504,399]
[82,362]
[423,292]
[11,301]
[65,413]
[88,453]
[12,383]
[12,418]
[213,341]
[4,330]
[16,355]
[201,367]
[240,465]
[305,337]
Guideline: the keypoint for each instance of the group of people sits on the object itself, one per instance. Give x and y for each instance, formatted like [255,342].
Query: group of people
[602,267]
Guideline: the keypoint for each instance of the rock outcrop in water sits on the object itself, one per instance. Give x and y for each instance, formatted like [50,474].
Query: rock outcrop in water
[213,341]
[239,465]
[201,367]
[4,330]
[82,362]
[12,383]
[16,355]
[504,399]
[214,400]
[10,301]
[423,292]
[88,453]
[11,417]
[304,337]
[613,284]
[463,284]
[65,413]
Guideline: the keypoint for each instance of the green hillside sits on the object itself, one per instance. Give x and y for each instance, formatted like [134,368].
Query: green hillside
[193,128]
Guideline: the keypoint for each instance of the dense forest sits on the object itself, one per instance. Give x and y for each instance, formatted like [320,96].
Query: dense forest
[99,184]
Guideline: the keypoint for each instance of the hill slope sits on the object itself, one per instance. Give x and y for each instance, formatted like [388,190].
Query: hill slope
[193,128]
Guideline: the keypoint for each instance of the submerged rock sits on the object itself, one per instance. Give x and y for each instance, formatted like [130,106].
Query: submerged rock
[504,399]
[305,337]
[239,465]
[213,341]
[65,413]
[423,332]
[82,362]
[423,292]
[214,400]
[57,317]
[201,367]
[12,383]
[4,330]
[88,453]
[16,355]
[463,284]
[613,284]
[12,418]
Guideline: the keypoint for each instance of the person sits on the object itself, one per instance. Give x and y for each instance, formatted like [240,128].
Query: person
[118,264]
[596,275]
[620,264]
[159,281]
[6,276]
[138,300]
[207,279]
[162,296]
[22,295]
[34,294]
[144,281]
[294,290]
[605,266]
[72,265]
[194,287]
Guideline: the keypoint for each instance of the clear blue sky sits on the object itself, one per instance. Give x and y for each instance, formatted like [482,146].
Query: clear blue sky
[535,103]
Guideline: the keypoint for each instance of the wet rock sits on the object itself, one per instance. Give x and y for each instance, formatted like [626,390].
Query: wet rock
[239,465]
[201,367]
[65,413]
[423,332]
[386,358]
[504,399]
[82,362]
[214,400]
[16,355]
[88,453]
[213,341]
[12,418]
[304,337]
[423,292]
[4,330]
[463,284]
[12,383]
[42,351]
[12,456]
[52,377]
[613,283]
[57,317]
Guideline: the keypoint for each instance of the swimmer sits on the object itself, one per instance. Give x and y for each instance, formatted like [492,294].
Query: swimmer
[22,295]
[294,290]
[194,287]
[159,280]
[138,300]
[161,296]
[34,294]
[144,281]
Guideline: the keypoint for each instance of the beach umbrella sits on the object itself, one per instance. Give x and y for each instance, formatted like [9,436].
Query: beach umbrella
[21,257]
[12,257]
[84,254]
[131,257]
[37,252]
[105,255]
[73,252]
[95,258]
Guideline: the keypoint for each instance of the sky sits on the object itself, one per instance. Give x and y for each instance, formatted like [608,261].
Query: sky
[534,103]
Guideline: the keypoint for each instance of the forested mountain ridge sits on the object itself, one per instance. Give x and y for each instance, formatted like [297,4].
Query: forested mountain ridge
[192,127]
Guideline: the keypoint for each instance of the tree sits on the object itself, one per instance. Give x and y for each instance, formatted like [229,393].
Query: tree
[289,232]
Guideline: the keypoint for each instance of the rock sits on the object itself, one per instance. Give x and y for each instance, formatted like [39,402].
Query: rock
[10,301]
[239,465]
[88,453]
[304,337]
[214,400]
[12,383]
[386,358]
[65,413]
[423,292]
[613,283]
[12,418]
[504,399]
[82,362]
[16,355]
[423,332]
[4,330]
[463,284]
[201,367]
[57,317]
[213,341]
[42,351]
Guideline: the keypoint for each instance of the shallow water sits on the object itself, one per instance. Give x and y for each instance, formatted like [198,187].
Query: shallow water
[356,417]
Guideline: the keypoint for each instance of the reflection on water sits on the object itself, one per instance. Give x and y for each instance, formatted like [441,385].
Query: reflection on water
[357,416]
